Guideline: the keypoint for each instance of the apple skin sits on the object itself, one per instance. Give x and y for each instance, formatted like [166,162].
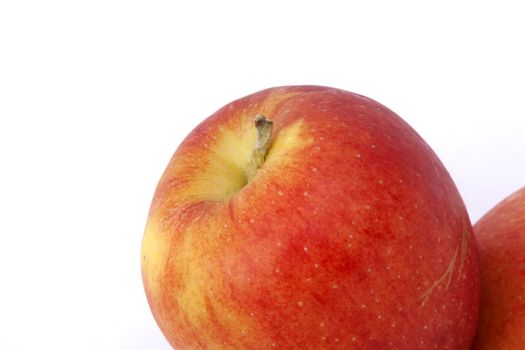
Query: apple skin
[352,235]
[501,239]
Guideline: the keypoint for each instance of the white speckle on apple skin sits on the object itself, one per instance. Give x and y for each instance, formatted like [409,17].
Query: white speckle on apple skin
[305,248]
[305,194]
[280,193]
[300,303]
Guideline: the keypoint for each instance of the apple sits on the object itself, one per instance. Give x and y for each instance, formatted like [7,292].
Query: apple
[501,241]
[308,217]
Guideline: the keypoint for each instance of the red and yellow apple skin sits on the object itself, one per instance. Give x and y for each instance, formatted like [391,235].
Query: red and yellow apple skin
[351,235]
[501,240]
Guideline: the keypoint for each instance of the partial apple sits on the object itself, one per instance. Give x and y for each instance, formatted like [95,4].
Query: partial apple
[501,240]
[308,217]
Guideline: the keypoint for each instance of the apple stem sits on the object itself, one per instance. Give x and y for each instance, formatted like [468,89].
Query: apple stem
[262,141]
[263,127]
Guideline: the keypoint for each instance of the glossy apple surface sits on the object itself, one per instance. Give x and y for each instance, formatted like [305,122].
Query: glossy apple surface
[501,240]
[351,235]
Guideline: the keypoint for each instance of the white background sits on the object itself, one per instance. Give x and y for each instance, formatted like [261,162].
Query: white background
[96,95]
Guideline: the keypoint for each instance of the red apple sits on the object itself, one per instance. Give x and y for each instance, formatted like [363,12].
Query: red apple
[501,240]
[339,229]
